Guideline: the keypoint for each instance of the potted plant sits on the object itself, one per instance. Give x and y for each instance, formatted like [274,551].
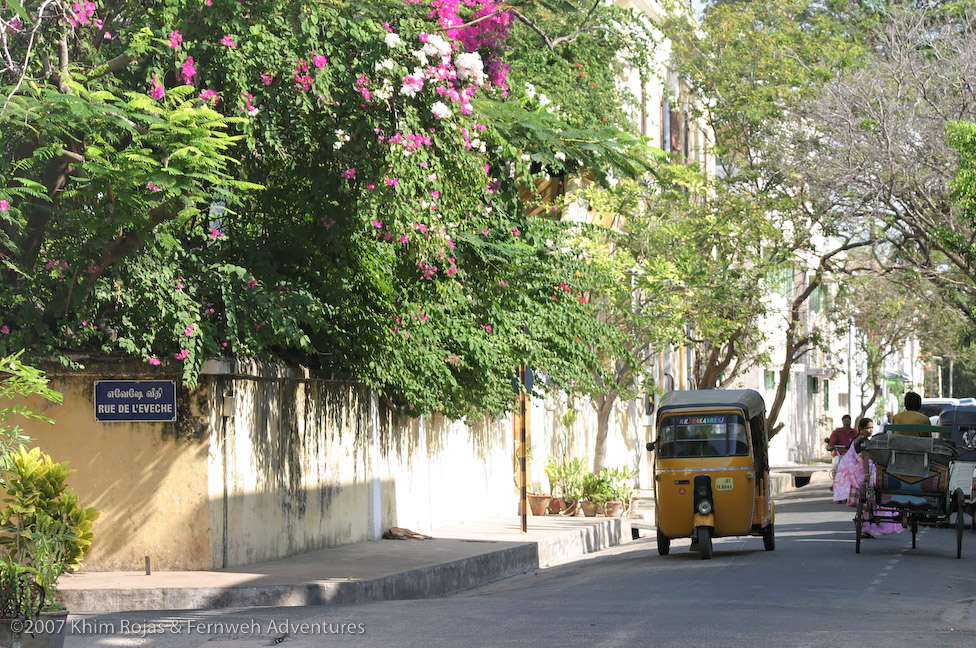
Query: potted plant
[538,498]
[566,482]
[44,531]
[595,492]
[618,490]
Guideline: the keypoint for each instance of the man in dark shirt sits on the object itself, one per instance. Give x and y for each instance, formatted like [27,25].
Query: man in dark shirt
[840,440]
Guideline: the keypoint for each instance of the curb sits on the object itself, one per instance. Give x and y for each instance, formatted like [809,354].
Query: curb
[430,581]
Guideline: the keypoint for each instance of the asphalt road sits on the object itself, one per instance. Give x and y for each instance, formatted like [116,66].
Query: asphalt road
[813,590]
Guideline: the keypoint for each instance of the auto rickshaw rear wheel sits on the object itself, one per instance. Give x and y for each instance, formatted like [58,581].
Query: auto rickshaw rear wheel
[769,538]
[705,542]
[663,543]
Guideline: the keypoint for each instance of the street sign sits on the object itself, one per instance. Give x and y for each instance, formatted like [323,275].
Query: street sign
[152,401]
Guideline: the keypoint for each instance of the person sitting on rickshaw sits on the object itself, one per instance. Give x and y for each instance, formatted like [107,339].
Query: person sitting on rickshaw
[854,468]
[912,414]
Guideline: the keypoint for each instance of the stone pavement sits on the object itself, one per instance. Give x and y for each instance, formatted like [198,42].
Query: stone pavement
[459,557]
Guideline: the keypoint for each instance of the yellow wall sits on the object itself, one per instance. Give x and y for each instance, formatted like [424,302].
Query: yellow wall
[267,461]
[147,480]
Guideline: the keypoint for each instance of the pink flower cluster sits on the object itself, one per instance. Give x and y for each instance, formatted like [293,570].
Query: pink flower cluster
[302,78]
[427,270]
[81,13]
[158,91]
[488,35]
[188,71]
[411,142]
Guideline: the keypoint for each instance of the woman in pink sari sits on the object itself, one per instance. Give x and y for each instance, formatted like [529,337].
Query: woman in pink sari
[850,474]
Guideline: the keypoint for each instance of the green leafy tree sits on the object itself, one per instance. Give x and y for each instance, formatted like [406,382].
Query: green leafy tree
[311,181]
[754,63]
[681,273]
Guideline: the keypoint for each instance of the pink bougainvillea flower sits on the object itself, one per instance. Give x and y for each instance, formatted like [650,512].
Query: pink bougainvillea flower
[252,284]
[349,173]
[209,94]
[80,13]
[228,40]
[501,282]
[182,355]
[392,182]
[248,107]
[377,224]
[516,231]
[152,187]
[188,71]
[328,222]
[180,285]
[266,79]
[4,205]
[158,91]
[175,38]
[485,232]
[5,329]
[155,361]
[216,233]
[319,61]
[370,187]
[188,331]
[404,239]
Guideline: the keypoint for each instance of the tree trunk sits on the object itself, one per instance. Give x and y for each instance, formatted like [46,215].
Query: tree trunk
[605,403]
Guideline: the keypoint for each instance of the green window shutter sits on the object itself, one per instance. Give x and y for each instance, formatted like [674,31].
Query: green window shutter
[826,394]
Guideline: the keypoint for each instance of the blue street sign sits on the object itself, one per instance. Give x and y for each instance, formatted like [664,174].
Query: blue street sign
[135,400]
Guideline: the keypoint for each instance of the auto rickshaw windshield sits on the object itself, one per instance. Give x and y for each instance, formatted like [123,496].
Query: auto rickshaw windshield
[711,435]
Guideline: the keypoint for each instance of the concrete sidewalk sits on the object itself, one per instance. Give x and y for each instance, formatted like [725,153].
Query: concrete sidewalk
[457,558]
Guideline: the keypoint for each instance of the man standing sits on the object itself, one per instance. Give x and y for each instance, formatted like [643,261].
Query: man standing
[840,440]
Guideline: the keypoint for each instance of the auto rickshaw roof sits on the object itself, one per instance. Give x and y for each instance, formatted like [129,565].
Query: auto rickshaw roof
[747,400]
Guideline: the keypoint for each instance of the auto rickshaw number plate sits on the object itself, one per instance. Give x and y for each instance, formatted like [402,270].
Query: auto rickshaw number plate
[724,483]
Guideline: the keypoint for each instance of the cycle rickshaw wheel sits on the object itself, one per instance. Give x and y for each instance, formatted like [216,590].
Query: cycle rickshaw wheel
[960,502]
[862,499]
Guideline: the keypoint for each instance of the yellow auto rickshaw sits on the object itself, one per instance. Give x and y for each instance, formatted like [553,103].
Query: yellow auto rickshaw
[711,468]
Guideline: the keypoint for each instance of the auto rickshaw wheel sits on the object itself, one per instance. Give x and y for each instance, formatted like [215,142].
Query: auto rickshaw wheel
[705,542]
[960,520]
[913,521]
[663,543]
[769,538]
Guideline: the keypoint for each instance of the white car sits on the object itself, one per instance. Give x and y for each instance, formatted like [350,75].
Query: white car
[932,407]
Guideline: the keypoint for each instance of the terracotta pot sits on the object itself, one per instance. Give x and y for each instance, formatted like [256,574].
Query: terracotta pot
[538,503]
[557,505]
[613,508]
[589,508]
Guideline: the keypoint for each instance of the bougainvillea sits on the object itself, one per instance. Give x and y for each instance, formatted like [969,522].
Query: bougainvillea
[302,180]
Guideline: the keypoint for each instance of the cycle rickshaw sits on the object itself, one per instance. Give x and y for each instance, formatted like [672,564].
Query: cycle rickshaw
[911,482]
